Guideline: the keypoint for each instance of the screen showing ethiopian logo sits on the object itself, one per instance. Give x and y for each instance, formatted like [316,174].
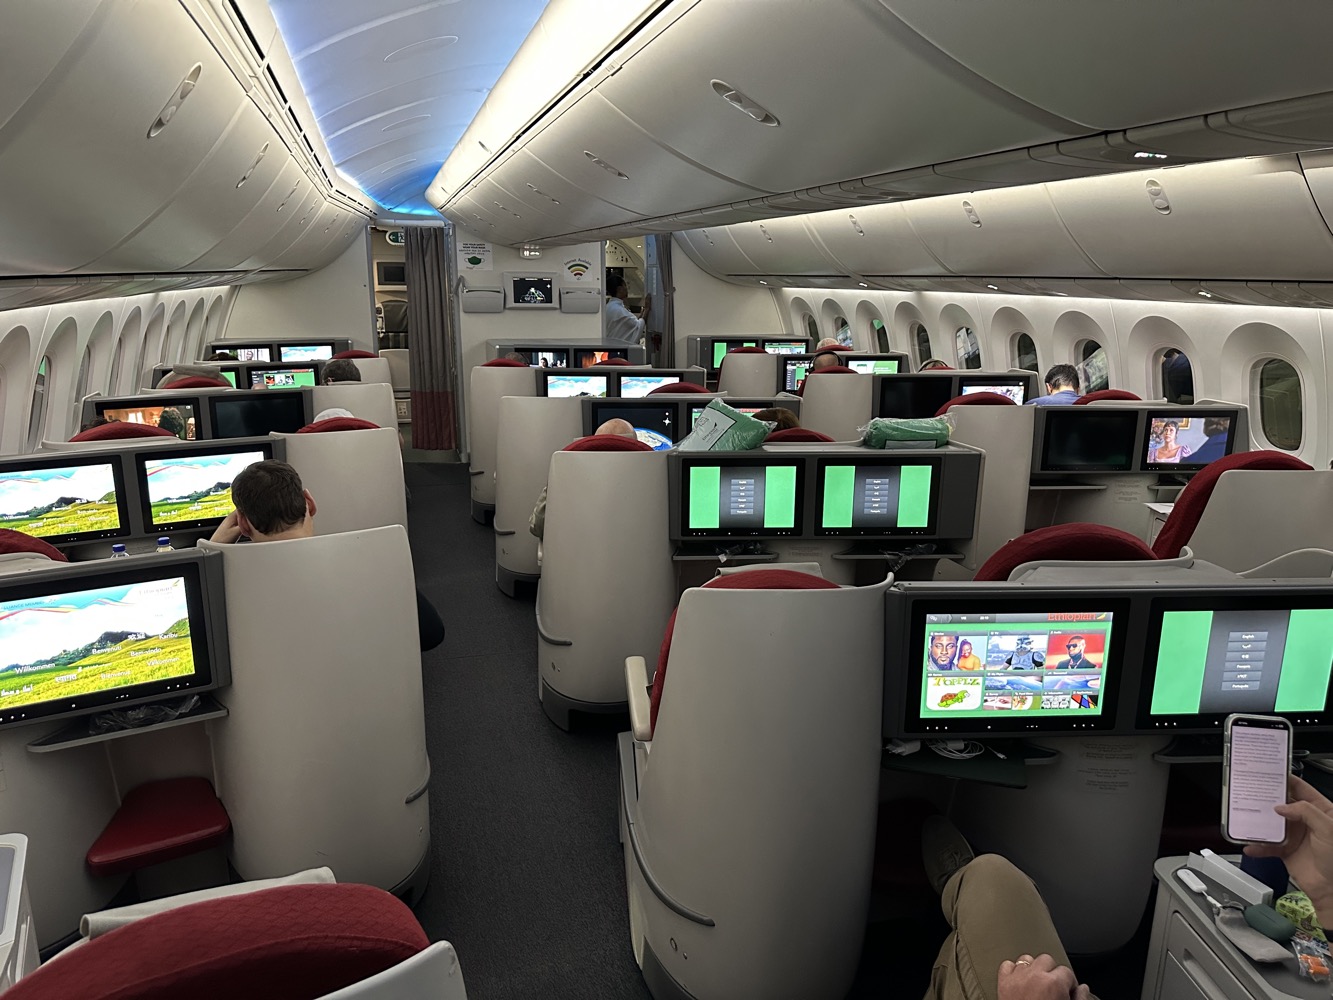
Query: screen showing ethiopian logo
[1045,664]
[87,642]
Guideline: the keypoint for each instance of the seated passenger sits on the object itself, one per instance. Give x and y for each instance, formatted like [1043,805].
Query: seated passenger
[331,412]
[934,364]
[1061,387]
[779,415]
[341,370]
[825,359]
[826,343]
[1307,850]
[999,923]
[272,506]
[221,356]
[616,427]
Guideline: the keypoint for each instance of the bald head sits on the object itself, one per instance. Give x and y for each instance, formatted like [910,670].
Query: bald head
[620,428]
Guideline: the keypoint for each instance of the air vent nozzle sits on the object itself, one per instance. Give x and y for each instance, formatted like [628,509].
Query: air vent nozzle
[740,102]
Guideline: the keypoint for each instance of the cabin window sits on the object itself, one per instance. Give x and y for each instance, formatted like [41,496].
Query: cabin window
[842,331]
[1177,376]
[1025,353]
[81,387]
[1094,367]
[921,337]
[1280,410]
[37,414]
[967,348]
[811,327]
[881,333]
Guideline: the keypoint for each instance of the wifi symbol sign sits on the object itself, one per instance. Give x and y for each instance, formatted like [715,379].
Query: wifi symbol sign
[577,268]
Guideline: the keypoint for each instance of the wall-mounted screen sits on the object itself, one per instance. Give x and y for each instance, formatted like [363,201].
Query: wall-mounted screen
[552,357]
[786,346]
[1015,389]
[573,383]
[283,378]
[175,415]
[1187,439]
[876,497]
[532,290]
[390,274]
[63,500]
[74,645]
[721,347]
[914,395]
[295,353]
[182,490]
[638,386]
[655,426]
[1210,657]
[1088,439]
[263,354]
[737,497]
[256,414]
[873,366]
[586,358]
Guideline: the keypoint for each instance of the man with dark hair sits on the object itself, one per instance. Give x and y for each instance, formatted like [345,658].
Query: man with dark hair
[341,370]
[273,506]
[221,356]
[619,322]
[1061,387]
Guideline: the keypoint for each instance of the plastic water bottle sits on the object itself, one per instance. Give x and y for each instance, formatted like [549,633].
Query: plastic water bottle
[163,545]
[118,551]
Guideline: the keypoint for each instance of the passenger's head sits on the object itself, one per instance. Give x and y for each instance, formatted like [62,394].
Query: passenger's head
[221,356]
[943,649]
[932,364]
[515,356]
[331,412]
[618,428]
[1062,377]
[826,342]
[617,289]
[780,415]
[342,370]
[171,419]
[88,425]
[828,359]
[271,504]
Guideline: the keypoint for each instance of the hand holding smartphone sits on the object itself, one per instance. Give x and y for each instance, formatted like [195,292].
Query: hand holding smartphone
[1256,761]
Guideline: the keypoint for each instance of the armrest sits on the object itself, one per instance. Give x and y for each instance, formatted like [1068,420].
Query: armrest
[636,688]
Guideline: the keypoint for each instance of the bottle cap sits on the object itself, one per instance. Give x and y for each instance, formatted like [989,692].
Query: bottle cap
[163,539]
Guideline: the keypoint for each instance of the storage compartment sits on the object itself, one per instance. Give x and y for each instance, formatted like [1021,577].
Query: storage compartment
[782,246]
[298,203]
[874,239]
[263,222]
[715,251]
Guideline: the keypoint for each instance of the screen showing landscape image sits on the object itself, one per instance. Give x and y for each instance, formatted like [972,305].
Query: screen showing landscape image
[65,646]
[193,488]
[58,502]
[305,352]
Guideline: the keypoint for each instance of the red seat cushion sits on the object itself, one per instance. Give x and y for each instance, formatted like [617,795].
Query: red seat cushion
[341,355]
[296,942]
[614,363]
[606,442]
[676,388]
[1093,397]
[796,434]
[1085,542]
[120,429]
[1185,515]
[504,363]
[976,399]
[338,424]
[755,579]
[16,541]
[157,822]
[196,382]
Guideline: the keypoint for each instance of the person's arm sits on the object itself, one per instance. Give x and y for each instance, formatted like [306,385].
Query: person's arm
[1308,850]
[1039,979]
[228,531]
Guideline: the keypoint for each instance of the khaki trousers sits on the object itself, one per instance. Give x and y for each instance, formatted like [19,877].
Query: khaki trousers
[997,915]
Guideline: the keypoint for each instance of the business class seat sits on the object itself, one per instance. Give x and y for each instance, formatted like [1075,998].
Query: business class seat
[487,384]
[749,804]
[322,759]
[1104,395]
[826,370]
[749,371]
[618,363]
[679,389]
[1082,542]
[400,368]
[838,407]
[352,355]
[195,382]
[19,552]
[354,470]
[607,580]
[976,399]
[301,942]
[372,369]
[796,435]
[371,401]
[120,430]
[1266,516]
[532,429]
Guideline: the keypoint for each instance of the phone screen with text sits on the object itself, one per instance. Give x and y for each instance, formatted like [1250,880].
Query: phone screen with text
[1260,760]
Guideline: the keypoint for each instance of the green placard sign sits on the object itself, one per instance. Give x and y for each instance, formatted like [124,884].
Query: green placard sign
[396,237]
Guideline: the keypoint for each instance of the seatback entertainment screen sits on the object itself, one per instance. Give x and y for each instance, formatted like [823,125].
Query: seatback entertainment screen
[64,500]
[735,497]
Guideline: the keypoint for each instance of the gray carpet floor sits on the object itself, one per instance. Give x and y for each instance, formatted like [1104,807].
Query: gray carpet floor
[527,875]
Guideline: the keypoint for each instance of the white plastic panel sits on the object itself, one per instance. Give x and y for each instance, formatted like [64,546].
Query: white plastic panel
[296,203]
[715,251]
[210,205]
[578,209]
[655,182]
[1115,221]
[912,108]
[782,246]
[77,168]
[1090,63]
[321,229]
[1019,233]
[889,244]
[264,220]
[48,31]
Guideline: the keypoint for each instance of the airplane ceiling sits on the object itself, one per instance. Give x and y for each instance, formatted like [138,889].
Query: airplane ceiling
[394,84]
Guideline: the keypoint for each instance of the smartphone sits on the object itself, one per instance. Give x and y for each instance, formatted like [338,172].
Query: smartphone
[1255,762]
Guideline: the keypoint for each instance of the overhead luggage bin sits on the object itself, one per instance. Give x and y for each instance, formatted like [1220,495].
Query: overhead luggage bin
[263,221]
[714,250]
[781,246]
[874,239]
[1162,224]
[297,203]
